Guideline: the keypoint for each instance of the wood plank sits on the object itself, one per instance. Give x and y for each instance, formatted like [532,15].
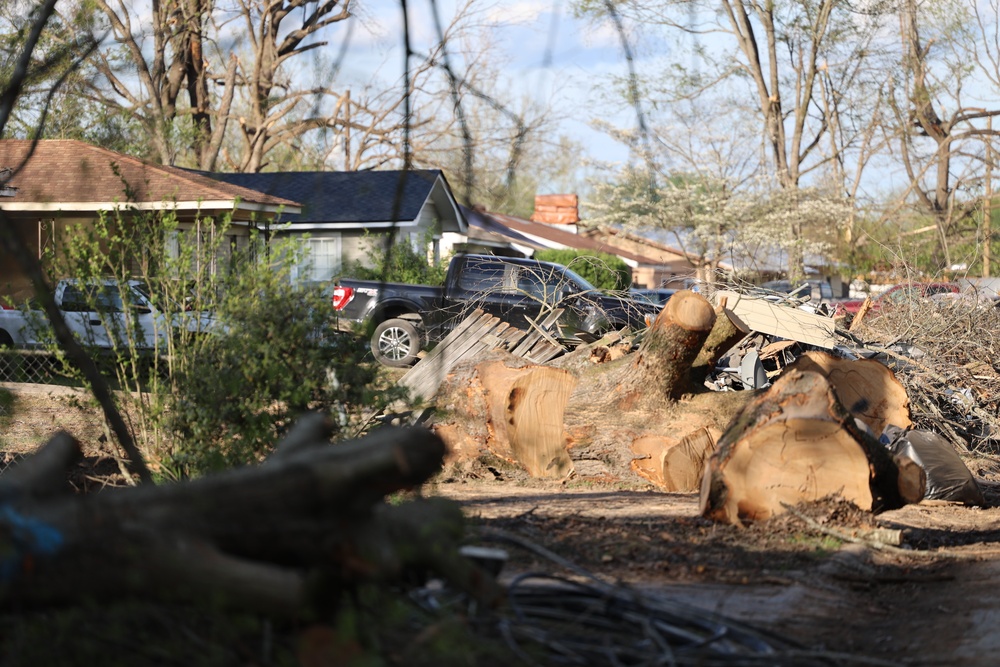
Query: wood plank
[792,323]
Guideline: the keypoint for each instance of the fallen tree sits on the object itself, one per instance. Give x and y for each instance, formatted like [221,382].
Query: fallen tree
[606,414]
[310,521]
[594,403]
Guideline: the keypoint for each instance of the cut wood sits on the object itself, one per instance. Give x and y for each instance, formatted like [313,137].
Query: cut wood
[675,466]
[661,368]
[867,388]
[796,443]
[257,537]
[514,410]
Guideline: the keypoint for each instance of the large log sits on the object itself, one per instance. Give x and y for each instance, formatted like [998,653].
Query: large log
[867,388]
[512,408]
[672,465]
[254,537]
[795,443]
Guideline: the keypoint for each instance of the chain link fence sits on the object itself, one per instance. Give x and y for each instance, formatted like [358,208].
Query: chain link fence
[31,366]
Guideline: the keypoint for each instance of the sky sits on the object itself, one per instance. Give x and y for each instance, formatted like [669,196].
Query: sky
[544,52]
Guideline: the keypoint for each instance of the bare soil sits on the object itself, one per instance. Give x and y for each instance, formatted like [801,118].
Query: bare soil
[812,577]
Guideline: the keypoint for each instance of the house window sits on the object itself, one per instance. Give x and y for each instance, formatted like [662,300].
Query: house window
[322,259]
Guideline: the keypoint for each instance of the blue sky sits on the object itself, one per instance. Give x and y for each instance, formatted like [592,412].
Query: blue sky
[540,48]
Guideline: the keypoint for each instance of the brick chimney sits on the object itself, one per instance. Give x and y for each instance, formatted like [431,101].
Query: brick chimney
[556,209]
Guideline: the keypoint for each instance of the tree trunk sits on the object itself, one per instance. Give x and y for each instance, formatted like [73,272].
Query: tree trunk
[660,371]
[513,408]
[613,402]
[257,537]
[796,443]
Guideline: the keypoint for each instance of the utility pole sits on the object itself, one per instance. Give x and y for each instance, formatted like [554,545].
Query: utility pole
[988,203]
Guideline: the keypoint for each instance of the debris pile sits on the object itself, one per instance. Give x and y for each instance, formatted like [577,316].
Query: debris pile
[761,403]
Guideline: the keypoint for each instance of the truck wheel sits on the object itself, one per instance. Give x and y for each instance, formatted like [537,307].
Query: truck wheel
[396,343]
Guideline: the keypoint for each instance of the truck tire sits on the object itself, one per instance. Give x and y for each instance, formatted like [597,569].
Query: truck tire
[396,343]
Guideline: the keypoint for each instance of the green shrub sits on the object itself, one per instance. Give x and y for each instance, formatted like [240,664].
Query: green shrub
[602,270]
[278,358]
[398,262]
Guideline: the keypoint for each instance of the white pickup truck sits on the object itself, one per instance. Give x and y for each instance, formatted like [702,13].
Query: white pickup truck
[100,317]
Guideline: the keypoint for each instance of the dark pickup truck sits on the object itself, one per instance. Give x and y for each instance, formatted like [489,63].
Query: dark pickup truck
[407,318]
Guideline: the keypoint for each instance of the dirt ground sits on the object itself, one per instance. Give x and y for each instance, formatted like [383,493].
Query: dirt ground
[814,577]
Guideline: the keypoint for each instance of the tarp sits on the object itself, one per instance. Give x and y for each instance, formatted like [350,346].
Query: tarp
[948,478]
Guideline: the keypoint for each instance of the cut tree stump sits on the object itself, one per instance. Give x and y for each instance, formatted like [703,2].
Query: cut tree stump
[867,388]
[796,443]
[661,368]
[514,410]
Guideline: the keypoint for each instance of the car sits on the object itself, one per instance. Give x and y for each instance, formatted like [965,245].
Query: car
[898,294]
[656,296]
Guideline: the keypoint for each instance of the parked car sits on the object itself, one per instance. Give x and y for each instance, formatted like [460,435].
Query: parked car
[896,295]
[407,318]
[100,316]
[657,296]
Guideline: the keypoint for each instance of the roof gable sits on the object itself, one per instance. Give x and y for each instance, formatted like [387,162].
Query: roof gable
[345,197]
[60,174]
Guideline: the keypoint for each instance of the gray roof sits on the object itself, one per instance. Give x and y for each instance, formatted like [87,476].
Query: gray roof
[342,196]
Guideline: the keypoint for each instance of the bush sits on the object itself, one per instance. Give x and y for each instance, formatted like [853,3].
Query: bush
[398,262]
[278,358]
[602,270]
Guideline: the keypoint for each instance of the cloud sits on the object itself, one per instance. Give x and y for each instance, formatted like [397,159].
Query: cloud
[520,12]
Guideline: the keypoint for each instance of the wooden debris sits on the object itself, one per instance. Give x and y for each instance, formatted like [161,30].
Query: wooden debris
[474,335]
[257,538]
[763,316]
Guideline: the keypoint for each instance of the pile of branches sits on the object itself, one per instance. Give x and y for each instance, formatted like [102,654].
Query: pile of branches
[947,355]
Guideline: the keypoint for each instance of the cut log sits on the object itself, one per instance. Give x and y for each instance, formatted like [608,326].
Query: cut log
[514,410]
[675,466]
[867,388]
[259,538]
[796,443]
[661,368]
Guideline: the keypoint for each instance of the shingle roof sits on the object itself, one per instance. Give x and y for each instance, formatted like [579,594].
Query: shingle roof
[343,196]
[565,238]
[76,172]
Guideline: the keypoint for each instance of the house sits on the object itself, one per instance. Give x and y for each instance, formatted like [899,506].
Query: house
[52,188]
[340,211]
[555,224]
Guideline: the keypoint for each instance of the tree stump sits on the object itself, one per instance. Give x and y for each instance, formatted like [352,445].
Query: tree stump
[660,370]
[797,443]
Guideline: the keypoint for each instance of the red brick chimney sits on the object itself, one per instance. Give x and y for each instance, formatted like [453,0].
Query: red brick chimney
[556,209]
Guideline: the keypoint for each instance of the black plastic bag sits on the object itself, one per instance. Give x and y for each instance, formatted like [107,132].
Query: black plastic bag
[947,476]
